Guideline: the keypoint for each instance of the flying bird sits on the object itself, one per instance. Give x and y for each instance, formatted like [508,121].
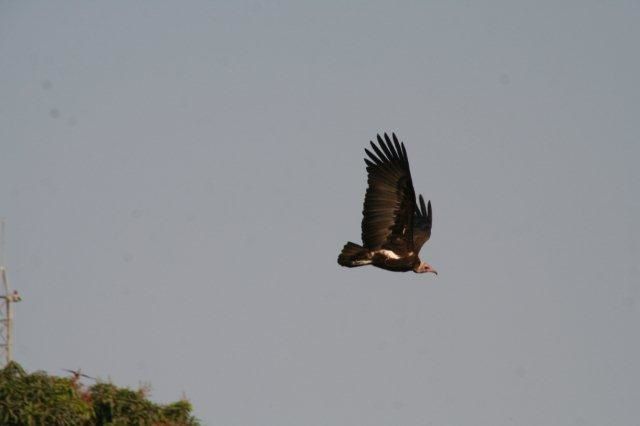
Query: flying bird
[77,374]
[394,226]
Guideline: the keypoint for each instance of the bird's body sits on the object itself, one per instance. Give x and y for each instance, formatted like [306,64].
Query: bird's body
[394,226]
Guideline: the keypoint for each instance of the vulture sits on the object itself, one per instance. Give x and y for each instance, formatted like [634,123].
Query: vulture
[394,225]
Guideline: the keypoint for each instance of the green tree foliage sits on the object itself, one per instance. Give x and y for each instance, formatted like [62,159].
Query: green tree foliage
[39,399]
[120,406]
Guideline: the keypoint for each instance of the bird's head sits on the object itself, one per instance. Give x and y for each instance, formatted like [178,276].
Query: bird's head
[423,267]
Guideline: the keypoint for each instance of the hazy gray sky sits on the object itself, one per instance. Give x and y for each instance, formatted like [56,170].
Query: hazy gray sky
[178,178]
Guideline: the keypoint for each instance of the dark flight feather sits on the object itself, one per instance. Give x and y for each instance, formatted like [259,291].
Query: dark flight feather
[389,204]
[422,227]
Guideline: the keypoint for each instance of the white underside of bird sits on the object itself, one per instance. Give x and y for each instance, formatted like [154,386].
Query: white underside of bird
[388,253]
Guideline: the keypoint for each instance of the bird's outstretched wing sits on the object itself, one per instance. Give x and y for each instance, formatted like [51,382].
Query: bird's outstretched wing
[422,224]
[389,203]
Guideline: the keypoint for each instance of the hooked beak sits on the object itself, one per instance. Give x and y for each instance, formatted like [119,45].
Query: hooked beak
[429,268]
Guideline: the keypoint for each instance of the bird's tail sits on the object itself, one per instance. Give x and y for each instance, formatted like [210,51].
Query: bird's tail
[354,255]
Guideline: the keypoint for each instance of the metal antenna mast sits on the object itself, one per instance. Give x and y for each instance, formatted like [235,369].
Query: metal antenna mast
[6,308]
